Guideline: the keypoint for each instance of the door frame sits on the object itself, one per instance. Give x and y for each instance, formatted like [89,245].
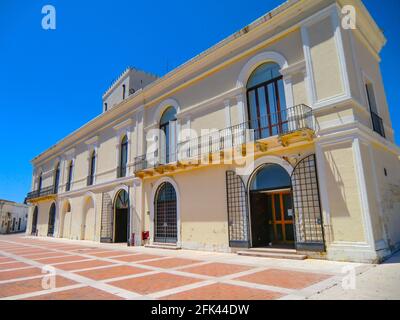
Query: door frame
[178,209]
[128,215]
[280,193]
[250,171]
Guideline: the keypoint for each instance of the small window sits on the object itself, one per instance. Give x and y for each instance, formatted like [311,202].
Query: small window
[56,178]
[123,91]
[377,122]
[40,183]
[105,106]
[92,167]
[70,171]
[123,157]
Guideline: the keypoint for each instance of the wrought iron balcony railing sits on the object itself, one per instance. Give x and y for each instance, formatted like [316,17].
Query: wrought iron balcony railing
[42,193]
[377,124]
[287,121]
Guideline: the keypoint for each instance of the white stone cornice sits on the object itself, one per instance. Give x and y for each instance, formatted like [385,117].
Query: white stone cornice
[122,125]
[92,141]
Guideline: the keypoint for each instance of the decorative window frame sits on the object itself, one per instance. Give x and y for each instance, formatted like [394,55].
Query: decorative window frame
[92,144]
[251,65]
[124,129]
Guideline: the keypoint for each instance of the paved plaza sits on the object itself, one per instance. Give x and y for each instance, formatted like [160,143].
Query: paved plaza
[57,269]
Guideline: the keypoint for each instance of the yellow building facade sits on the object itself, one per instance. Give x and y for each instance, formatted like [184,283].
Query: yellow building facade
[278,136]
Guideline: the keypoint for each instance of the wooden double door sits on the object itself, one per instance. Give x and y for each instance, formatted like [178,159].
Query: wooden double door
[271,218]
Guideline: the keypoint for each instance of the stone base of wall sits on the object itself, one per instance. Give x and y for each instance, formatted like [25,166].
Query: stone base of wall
[206,247]
[359,253]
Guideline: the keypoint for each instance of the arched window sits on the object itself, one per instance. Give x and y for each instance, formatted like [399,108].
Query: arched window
[123,157]
[270,177]
[56,178]
[70,171]
[92,168]
[266,101]
[165,217]
[168,126]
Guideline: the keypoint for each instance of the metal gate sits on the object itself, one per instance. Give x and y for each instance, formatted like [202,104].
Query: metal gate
[107,219]
[52,220]
[34,221]
[238,220]
[165,217]
[309,231]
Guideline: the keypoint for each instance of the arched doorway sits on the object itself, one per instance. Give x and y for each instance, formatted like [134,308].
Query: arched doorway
[165,217]
[52,220]
[34,221]
[88,219]
[65,225]
[121,217]
[271,207]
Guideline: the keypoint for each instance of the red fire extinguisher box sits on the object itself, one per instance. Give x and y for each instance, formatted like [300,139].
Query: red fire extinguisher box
[145,235]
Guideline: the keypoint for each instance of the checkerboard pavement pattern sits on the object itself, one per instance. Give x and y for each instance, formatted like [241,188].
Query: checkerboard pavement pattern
[95,272]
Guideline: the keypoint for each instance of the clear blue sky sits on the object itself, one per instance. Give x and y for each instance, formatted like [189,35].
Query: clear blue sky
[51,82]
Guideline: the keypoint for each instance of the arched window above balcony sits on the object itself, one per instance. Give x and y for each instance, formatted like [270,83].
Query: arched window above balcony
[266,101]
[264,73]
[168,126]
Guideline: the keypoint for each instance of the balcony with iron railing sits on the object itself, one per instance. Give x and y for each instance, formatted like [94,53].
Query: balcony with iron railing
[292,124]
[42,193]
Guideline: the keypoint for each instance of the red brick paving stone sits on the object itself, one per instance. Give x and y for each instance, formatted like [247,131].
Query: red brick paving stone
[153,283]
[13,265]
[85,293]
[38,257]
[110,254]
[61,259]
[82,265]
[29,286]
[21,252]
[137,257]
[170,263]
[15,274]
[112,272]
[36,254]
[217,269]
[69,248]
[6,259]
[220,291]
[284,278]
